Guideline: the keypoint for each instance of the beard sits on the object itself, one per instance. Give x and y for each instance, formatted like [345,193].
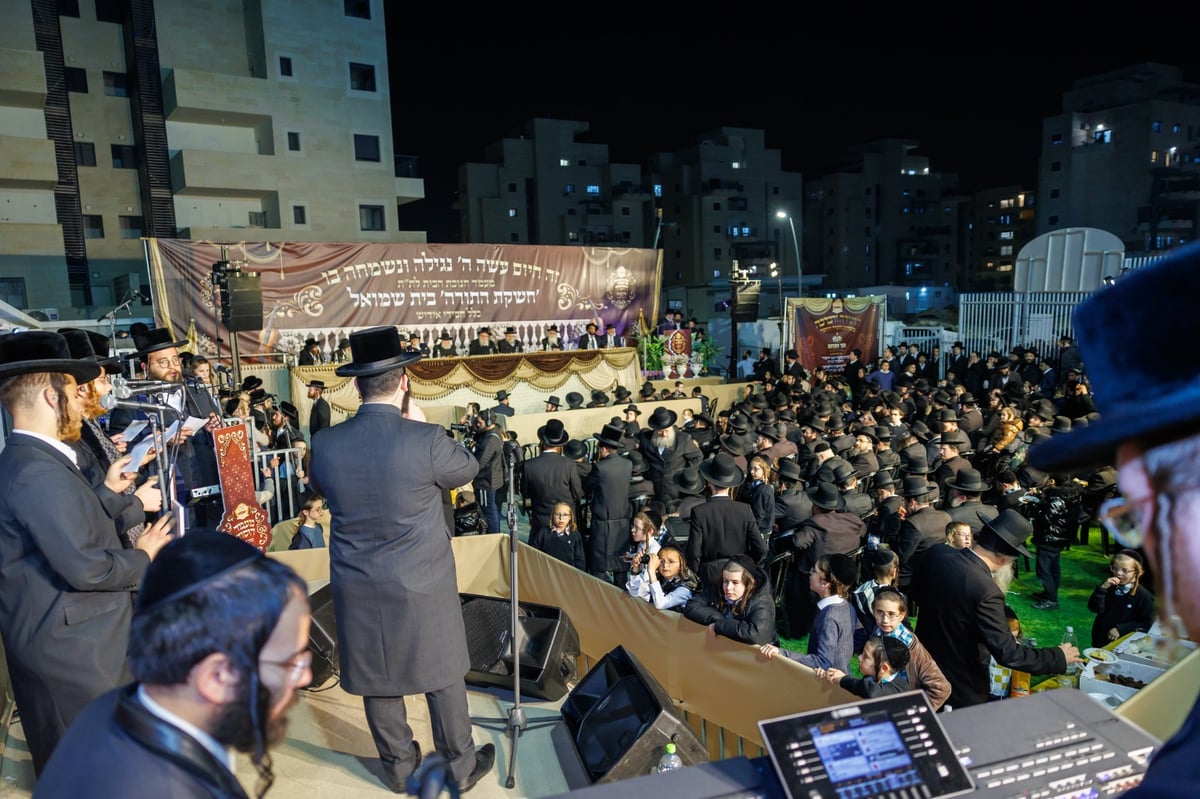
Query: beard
[70,421]
[1004,575]
[233,727]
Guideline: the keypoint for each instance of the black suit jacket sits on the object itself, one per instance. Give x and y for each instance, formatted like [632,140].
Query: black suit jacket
[720,528]
[318,417]
[918,533]
[549,478]
[962,623]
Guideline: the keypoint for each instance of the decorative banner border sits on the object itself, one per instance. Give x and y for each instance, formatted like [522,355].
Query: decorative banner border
[827,330]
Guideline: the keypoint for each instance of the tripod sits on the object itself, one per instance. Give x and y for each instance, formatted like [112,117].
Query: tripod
[516,714]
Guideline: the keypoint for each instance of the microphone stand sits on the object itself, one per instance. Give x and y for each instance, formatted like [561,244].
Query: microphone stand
[516,714]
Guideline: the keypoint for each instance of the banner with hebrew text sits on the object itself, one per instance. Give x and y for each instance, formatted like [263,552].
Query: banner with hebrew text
[338,287]
[828,330]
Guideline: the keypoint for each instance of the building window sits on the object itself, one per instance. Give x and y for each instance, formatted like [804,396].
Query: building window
[66,8]
[85,153]
[512,187]
[1156,126]
[716,206]
[299,215]
[116,84]
[512,213]
[1056,166]
[93,226]
[12,289]
[1054,193]
[360,9]
[564,162]
[362,77]
[514,237]
[716,252]
[572,235]
[1057,138]
[656,190]
[593,189]
[257,219]
[75,79]
[1006,235]
[569,188]
[1103,136]
[625,211]
[293,138]
[123,156]
[109,11]
[570,212]
[366,147]
[285,66]
[1054,220]
[1176,128]
[131,227]
[370,217]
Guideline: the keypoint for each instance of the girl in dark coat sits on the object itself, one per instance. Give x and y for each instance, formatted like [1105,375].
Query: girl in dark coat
[562,540]
[741,607]
[1121,603]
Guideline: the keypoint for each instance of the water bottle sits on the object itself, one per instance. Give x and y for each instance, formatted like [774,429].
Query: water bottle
[669,761]
[1072,674]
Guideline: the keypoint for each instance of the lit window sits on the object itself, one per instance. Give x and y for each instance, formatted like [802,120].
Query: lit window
[362,77]
[370,217]
[512,213]
[1006,235]
[564,162]
[657,190]
[1057,138]
[593,189]
[572,235]
[1007,249]
[569,188]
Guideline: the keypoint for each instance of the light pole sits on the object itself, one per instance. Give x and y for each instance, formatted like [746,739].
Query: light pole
[779,286]
[796,246]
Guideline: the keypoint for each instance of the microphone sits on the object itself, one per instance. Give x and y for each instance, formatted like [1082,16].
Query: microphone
[120,387]
[109,402]
[105,316]
[222,368]
[152,386]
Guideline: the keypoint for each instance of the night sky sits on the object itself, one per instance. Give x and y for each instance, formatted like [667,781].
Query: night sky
[976,109]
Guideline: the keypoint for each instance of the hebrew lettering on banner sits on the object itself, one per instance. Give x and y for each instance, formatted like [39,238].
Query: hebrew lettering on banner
[342,286]
[827,331]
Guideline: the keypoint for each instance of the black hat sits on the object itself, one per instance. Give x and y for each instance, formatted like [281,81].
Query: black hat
[289,410]
[956,438]
[647,390]
[844,569]
[843,471]
[689,482]
[575,449]
[637,411]
[552,329]
[87,345]
[621,393]
[1045,409]
[553,434]
[921,430]
[827,496]
[252,382]
[788,469]
[721,470]
[758,401]
[190,562]
[883,480]
[611,326]
[662,418]
[946,414]
[376,350]
[510,330]
[316,384]
[483,331]
[637,461]
[36,351]
[916,486]
[311,342]
[883,433]
[958,344]
[599,397]
[969,480]
[771,432]
[914,464]
[786,415]
[574,399]
[967,398]
[159,338]
[1008,533]
[553,400]
[501,395]
[445,335]
[343,343]
[611,435]
[737,444]
[739,422]
[1062,424]
[257,396]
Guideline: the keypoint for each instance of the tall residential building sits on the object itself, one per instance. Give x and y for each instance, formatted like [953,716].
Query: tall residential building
[1124,157]
[1002,222]
[228,121]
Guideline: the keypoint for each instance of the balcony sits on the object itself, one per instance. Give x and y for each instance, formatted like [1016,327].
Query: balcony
[409,190]
[205,173]
[211,98]
[29,164]
[22,78]
[31,239]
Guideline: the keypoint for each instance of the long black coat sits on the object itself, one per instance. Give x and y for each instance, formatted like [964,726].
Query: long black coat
[919,532]
[661,469]
[608,487]
[962,623]
[395,589]
[549,478]
[66,590]
[318,417]
[720,528]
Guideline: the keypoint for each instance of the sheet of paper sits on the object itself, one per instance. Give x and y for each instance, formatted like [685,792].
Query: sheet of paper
[138,452]
[134,430]
[193,423]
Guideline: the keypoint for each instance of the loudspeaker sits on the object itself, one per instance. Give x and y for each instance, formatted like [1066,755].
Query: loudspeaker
[242,303]
[322,636]
[745,302]
[620,719]
[550,645]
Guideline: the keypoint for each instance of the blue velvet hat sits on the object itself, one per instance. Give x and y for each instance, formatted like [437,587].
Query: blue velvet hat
[1140,390]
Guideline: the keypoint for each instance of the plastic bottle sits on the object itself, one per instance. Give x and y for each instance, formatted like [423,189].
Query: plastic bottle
[1072,674]
[669,761]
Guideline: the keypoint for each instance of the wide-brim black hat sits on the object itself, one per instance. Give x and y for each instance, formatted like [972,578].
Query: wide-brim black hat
[155,339]
[289,410]
[647,390]
[553,400]
[574,399]
[611,435]
[916,486]
[376,350]
[37,351]
[1009,529]
[88,345]
[575,449]
[826,496]
[622,393]
[252,382]
[689,482]
[662,418]
[788,469]
[553,434]
[721,470]
[635,410]
[921,430]
[969,480]
[737,444]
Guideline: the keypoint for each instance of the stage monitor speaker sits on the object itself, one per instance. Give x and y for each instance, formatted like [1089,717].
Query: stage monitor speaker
[620,719]
[745,303]
[322,637]
[242,303]
[550,645]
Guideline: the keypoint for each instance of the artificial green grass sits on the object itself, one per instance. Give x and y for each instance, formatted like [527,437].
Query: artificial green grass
[1084,567]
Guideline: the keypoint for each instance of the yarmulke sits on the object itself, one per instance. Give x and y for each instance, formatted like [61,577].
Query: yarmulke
[191,562]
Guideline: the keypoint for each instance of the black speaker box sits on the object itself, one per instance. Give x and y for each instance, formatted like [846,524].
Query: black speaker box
[620,721]
[549,645]
[322,636]
[242,305]
[745,303]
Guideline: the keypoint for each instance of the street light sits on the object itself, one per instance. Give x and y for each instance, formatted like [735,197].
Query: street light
[796,246]
[779,285]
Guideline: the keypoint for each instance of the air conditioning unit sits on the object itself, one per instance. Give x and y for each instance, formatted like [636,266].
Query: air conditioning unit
[44,314]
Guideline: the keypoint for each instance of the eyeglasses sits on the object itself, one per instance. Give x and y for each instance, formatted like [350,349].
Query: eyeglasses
[163,363]
[1119,516]
[1115,570]
[296,666]
[888,614]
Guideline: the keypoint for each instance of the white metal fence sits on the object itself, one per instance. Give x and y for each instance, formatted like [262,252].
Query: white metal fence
[997,321]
